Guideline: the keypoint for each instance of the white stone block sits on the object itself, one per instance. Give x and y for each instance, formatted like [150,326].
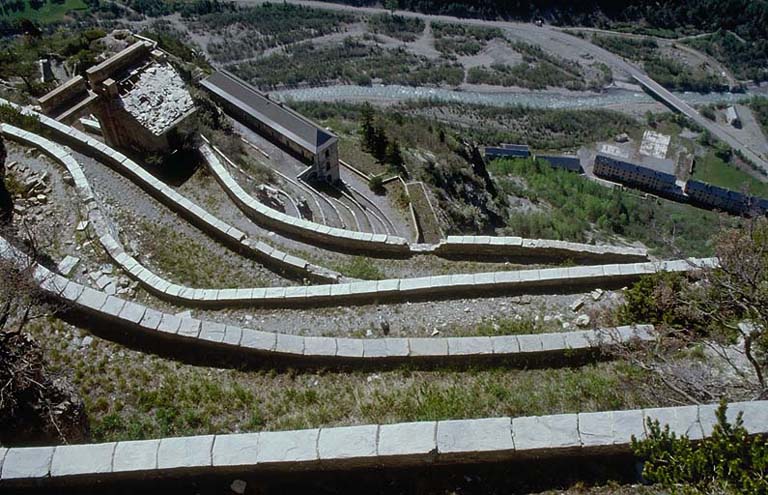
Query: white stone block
[533,433]
[73,460]
[351,442]
[31,462]
[428,347]
[236,450]
[596,429]
[135,456]
[475,438]
[288,447]
[184,452]
[407,441]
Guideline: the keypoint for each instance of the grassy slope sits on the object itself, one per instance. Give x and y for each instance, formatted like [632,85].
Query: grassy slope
[49,12]
[714,171]
[130,395]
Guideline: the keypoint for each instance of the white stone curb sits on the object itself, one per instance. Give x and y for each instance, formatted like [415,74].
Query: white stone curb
[366,446]
[329,351]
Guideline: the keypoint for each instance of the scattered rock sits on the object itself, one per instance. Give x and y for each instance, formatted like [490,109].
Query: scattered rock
[577,304]
[435,333]
[87,341]
[67,265]
[238,486]
[583,321]
[597,294]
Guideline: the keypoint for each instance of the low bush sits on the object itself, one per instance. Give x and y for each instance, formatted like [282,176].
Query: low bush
[730,461]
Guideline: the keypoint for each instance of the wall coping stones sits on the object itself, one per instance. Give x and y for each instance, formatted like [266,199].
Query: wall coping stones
[169,323]
[185,452]
[27,463]
[400,444]
[151,319]
[474,438]
[213,331]
[400,441]
[535,433]
[138,455]
[189,327]
[254,339]
[235,450]
[288,447]
[72,460]
[348,443]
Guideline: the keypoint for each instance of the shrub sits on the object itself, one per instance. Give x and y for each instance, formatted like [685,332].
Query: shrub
[654,299]
[729,461]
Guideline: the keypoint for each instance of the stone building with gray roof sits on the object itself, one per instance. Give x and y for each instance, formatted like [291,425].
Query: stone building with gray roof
[309,142]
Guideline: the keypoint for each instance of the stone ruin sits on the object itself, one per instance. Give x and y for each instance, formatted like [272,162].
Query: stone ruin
[138,97]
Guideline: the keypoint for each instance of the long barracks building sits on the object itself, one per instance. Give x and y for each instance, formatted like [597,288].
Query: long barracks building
[307,141]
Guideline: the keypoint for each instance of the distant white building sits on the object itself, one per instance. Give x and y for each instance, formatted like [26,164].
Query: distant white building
[732,117]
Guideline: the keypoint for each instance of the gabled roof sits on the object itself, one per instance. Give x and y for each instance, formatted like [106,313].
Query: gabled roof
[280,118]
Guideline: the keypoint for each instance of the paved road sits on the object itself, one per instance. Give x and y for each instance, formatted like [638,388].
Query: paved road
[555,40]
[717,130]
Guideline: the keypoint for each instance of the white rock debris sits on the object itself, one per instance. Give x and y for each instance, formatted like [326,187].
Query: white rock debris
[158,98]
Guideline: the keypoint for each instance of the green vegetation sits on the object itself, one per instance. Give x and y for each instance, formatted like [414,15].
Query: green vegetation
[362,268]
[462,39]
[577,209]
[653,299]
[395,26]
[631,48]
[429,227]
[730,461]
[714,170]
[747,61]
[190,263]
[157,8]
[349,62]
[539,70]
[40,11]
[134,395]
[268,25]
[433,137]
[376,142]
[759,105]
[666,71]
[19,57]
[543,129]
[511,326]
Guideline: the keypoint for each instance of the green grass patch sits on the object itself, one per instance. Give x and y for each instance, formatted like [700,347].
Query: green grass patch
[575,208]
[190,263]
[130,395]
[715,171]
[351,152]
[362,268]
[41,11]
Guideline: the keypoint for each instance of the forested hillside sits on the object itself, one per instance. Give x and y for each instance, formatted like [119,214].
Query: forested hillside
[748,18]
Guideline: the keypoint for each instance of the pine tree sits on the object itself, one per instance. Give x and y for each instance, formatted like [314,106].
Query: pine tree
[367,128]
[395,157]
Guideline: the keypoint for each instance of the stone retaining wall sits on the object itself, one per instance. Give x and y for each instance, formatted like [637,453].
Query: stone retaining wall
[121,316]
[399,445]
[497,247]
[378,244]
[454,246]
[303,230]
[354,292]
[219,230]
